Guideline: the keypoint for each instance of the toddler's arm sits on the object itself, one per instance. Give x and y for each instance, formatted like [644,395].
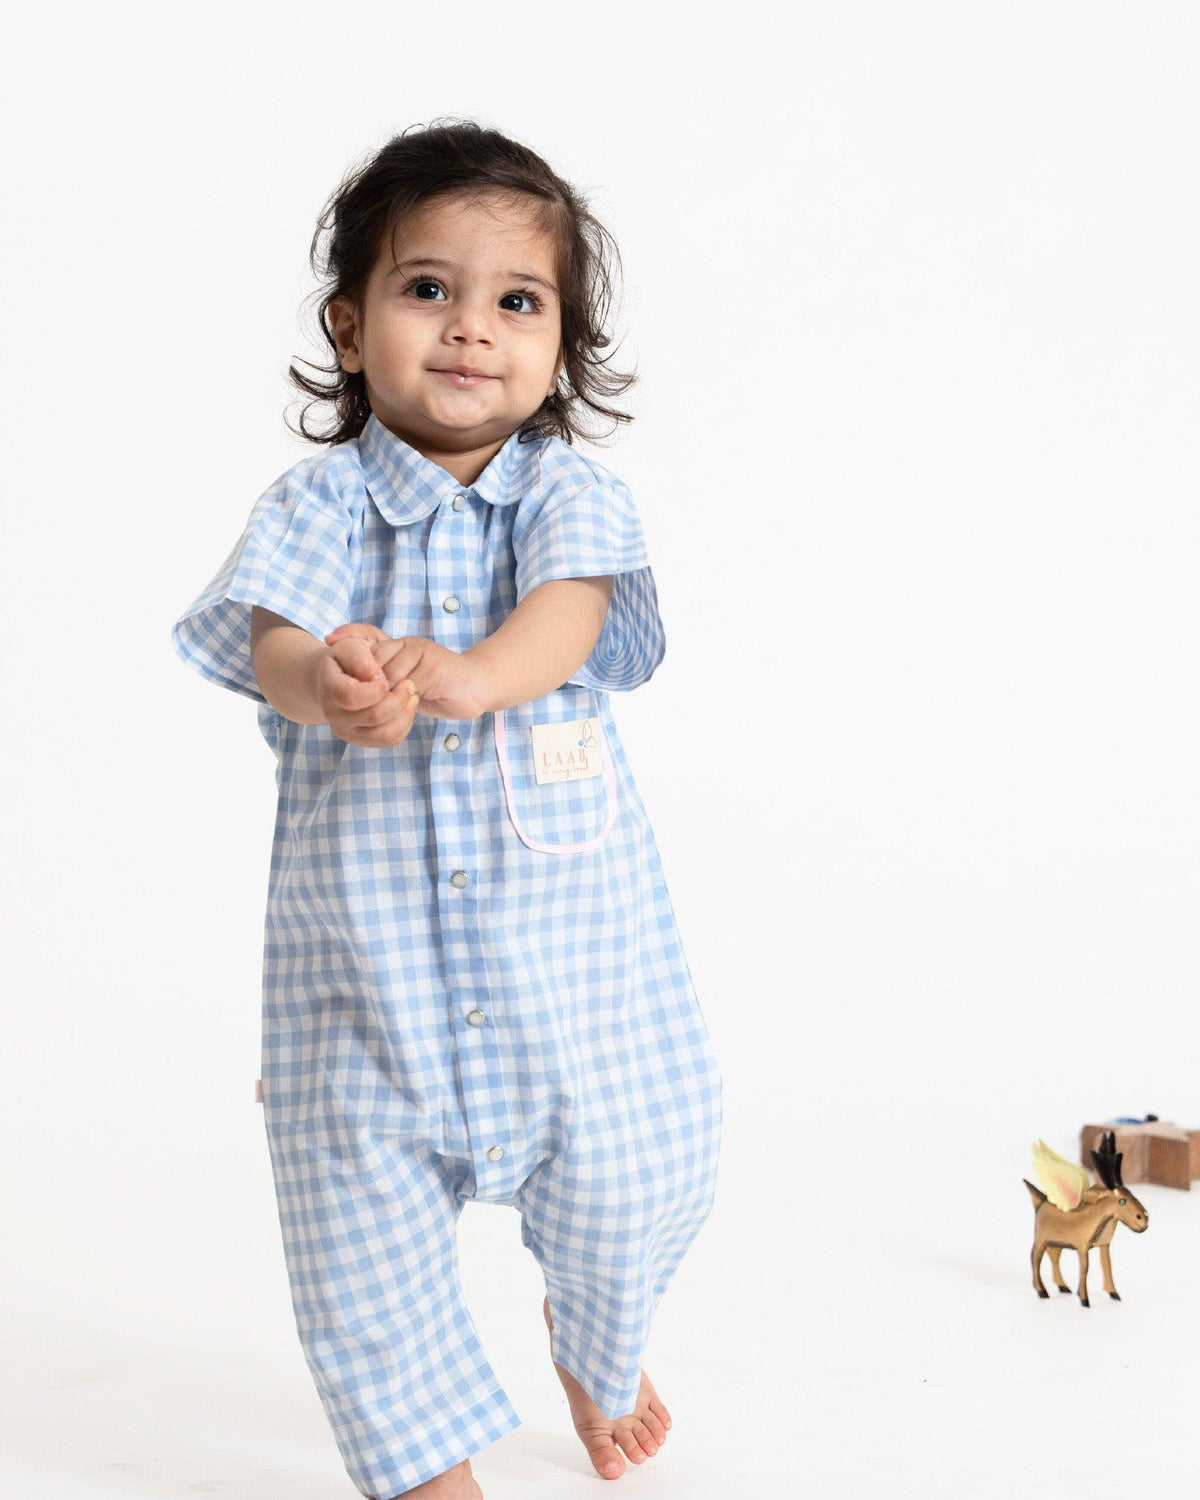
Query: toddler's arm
[285,660]
[546,638]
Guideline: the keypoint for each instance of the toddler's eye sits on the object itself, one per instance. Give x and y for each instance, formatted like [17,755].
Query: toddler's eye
[527,296]
[422,281]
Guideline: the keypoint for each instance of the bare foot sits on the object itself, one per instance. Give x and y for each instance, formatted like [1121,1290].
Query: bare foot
[457,1483]
[641,1434]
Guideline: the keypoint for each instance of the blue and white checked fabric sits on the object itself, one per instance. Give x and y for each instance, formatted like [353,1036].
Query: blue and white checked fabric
[473,984]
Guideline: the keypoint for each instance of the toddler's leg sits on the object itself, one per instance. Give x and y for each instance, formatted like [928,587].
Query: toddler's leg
[609,1220]
[370,1237]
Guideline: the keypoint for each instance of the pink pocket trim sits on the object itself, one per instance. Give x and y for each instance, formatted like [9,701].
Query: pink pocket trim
[500,734]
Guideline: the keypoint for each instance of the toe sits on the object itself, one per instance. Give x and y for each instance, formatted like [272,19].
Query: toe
[628,1440]
[657,1409]
[646,1438]
[656,1429]
[608,1460]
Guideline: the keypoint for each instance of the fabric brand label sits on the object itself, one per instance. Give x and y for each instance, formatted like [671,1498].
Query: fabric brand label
[566,751]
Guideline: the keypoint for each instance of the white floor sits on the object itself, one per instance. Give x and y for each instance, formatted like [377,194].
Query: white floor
[864,1326]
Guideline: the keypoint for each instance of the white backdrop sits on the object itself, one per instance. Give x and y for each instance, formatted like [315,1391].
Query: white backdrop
[912,291]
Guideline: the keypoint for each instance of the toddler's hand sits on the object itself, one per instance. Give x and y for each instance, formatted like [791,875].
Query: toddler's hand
[446,682]
[359,703]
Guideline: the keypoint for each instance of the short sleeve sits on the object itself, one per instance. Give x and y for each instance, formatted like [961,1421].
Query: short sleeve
[587,534]
[292,558]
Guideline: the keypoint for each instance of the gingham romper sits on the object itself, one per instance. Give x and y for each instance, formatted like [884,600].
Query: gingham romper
[473,985]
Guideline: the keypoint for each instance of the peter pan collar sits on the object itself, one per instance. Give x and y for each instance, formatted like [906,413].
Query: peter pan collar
[407,486]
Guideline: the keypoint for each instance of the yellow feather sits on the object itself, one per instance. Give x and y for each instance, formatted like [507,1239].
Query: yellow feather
[1063,1182]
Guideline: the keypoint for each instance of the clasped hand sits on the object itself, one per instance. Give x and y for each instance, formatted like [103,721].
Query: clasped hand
[369,684]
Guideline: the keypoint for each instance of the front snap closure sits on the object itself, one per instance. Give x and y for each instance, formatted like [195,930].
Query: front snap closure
[495,1153]
[452,742]
[450,603]
[459,878]
[458,502]
[476,1017]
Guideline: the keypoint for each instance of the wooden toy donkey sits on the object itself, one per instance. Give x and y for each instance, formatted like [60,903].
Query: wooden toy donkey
[1074,1213]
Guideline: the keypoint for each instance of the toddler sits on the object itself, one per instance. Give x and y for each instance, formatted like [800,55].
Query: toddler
[473,984]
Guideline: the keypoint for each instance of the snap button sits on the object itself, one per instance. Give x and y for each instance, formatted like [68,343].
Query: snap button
[495,1153]
[450,604]
[458,502]
[459,878]
[452,741]
[476,1017]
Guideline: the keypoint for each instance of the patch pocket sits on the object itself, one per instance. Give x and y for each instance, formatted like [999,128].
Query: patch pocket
[559,781]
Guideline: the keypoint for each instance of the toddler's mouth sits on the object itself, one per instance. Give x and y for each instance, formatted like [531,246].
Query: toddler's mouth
[455,377]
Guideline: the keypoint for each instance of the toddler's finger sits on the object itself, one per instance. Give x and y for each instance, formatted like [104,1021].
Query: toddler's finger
[404,691]
[356,659]
[357,628]
[394,657]
[350,695]
[399,704]
[402,698]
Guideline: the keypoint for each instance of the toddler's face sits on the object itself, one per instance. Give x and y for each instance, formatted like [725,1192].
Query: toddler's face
[459,292]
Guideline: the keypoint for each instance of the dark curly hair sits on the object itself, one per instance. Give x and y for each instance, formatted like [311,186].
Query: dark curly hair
[461,159]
